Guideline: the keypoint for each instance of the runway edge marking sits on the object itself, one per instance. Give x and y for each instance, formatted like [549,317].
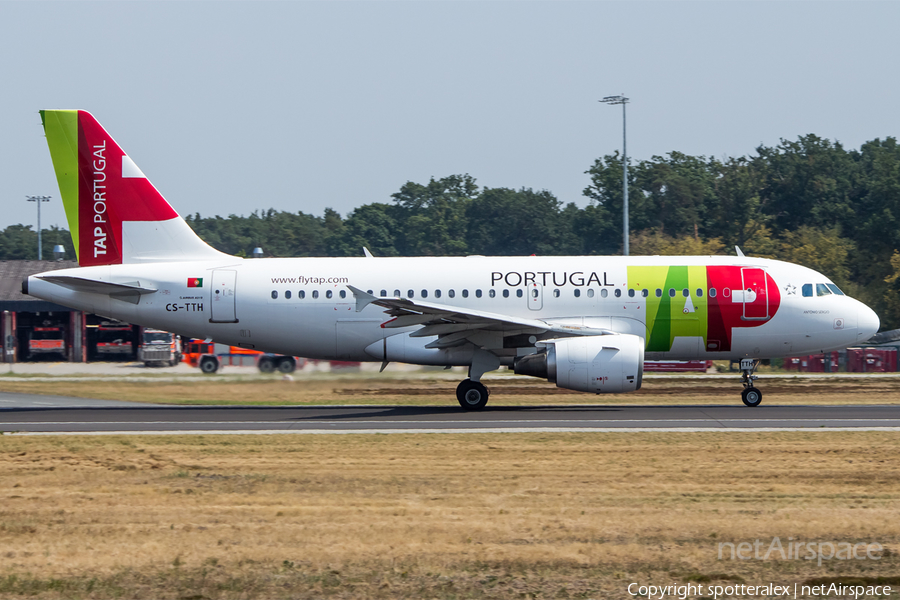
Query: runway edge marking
[455,431]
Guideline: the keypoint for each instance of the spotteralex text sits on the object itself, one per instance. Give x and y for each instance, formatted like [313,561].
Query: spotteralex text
[771,590]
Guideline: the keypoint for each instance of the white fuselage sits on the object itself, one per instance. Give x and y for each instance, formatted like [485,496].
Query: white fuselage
[303,306]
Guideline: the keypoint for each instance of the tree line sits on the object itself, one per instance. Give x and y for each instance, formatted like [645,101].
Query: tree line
[809,201]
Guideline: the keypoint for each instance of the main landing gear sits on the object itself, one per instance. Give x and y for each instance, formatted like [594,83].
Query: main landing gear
[472,395]
[751,395]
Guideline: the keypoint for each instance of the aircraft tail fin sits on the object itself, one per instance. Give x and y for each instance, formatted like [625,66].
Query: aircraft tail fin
[115,214]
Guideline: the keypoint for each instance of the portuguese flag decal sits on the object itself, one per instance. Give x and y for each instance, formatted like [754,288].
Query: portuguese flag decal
[195,282]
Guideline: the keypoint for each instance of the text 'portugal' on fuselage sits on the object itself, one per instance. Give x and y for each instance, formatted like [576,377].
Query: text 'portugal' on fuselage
[584,322]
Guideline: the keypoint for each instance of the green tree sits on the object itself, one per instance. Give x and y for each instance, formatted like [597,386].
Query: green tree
[18,242]
[677,191]
[432,217]
[823,250]
[651,242]
[737,215]
[505,222]
[808,182]
[370,225]
[605,191]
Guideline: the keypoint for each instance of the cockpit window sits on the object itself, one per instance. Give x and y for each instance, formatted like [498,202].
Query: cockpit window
[822,290]
[807,290]
[835,289]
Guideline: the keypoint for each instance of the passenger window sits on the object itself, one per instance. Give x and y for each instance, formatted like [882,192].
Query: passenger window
[577,293]
[631,293]
[465,293]
[618,293]
[287,295]
[822,290]
[556,293]
[590,293]
[534,293]
[384,293]
[451,294]
[370,292]
[492,293]
[604,293]
[712,292]
[645,292]
[328,294]
[835,289]
[424,293]
[685,293]
[437,293]
[671,292]
[274,295]
[343,293]
[396,293]
[506,293]
[699,293]
[410,293]
[726,292]
[658,293]
[301,294]
[315,294]
[478,293]
[518,293]
[807,290]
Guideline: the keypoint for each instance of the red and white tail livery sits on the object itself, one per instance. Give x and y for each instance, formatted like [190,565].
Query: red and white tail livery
[115,214]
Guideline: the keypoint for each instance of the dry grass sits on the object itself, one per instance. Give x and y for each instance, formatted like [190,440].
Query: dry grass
[430,390]
[436,516]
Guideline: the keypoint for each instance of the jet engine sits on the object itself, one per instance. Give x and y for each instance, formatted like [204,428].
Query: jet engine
[601,364]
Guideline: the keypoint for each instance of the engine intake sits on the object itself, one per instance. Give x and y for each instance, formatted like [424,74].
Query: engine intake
[603,364]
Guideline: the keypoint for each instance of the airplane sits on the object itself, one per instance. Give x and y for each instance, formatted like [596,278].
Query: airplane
[586,323]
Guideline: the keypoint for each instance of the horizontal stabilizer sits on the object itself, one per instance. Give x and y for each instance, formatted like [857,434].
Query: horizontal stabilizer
[127,292]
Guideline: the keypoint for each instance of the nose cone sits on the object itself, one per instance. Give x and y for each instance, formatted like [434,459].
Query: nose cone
[867,323]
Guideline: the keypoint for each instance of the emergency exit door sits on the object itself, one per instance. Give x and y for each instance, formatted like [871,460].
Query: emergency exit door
[222,296]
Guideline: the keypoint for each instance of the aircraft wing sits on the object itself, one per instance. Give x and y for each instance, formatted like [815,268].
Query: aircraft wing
[454,325]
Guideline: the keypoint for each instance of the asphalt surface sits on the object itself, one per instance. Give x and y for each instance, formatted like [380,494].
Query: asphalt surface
[52,414]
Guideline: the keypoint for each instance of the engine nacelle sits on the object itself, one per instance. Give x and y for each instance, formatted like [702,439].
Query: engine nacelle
[603,364]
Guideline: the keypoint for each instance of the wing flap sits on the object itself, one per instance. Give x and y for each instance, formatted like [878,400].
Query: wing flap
[455,324]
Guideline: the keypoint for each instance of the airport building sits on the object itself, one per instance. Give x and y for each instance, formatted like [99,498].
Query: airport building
[35,330]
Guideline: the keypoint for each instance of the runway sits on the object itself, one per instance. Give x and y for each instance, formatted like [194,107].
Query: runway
[75,415]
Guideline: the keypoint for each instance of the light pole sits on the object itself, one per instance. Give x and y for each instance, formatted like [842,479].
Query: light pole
[621,99]
[38,200]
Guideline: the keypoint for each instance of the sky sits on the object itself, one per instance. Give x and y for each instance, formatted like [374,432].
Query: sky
[231,107]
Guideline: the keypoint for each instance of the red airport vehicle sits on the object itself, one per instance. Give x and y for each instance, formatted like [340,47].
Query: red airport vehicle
[46,340]
[114,340]
[209,357]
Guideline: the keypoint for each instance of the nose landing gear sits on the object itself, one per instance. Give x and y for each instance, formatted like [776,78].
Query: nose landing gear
[751,396]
